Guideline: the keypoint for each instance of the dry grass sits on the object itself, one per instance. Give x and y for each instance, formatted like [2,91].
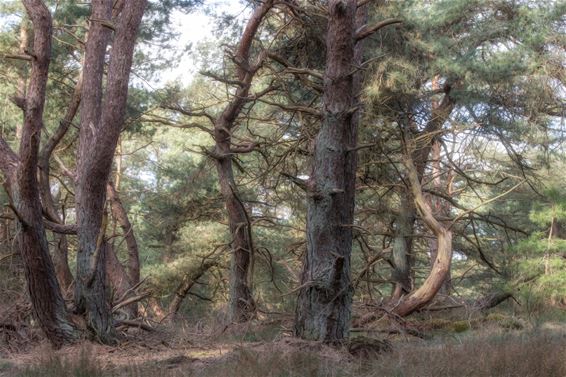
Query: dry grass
[487,351]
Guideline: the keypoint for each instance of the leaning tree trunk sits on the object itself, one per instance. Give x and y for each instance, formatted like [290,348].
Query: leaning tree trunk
[102,116]
[20,173]
[324,305]
[188,281]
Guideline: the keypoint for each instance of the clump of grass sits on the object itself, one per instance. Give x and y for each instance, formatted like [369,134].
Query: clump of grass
[57,366]
[527,354]
[460,326]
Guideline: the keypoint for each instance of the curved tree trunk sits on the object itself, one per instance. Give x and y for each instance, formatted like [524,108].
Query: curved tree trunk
[440,208]
[405,222]
[60,254]
[441,266]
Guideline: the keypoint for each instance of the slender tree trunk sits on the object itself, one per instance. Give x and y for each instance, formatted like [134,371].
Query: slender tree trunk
[439,208]
[242,305]
[20,173]
[121,216]
[102,116]
[403,247]
[325,298]
[60,254]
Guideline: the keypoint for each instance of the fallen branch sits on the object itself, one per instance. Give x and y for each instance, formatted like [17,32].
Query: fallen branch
[137,324]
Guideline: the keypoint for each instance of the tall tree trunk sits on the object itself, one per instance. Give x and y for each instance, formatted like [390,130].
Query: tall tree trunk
[324,305]
[241,305]
[102,116]
[20,173]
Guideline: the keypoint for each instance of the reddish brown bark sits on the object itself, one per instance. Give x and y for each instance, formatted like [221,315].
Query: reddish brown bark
[102,116]
[117,278]
[20,172]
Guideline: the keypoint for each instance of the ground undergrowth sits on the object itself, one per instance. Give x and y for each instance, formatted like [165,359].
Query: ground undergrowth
[496,344]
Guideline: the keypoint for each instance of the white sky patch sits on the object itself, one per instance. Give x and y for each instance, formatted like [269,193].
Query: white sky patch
[194,28]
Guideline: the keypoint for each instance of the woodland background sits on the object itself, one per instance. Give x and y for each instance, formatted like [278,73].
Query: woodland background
[133,206]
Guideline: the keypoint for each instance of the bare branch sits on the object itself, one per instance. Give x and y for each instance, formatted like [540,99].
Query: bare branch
[366,31]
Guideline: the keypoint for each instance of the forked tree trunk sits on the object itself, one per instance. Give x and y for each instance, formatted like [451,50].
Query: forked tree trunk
[102,116]
[324,305]
[20,173]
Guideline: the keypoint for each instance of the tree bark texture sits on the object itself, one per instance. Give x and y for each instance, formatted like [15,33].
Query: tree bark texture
[102,116]
[20,173]
[324,305]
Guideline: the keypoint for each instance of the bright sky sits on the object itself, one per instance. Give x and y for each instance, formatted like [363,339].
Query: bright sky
[195,28]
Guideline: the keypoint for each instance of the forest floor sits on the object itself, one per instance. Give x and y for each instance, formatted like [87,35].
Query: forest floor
[497,344]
